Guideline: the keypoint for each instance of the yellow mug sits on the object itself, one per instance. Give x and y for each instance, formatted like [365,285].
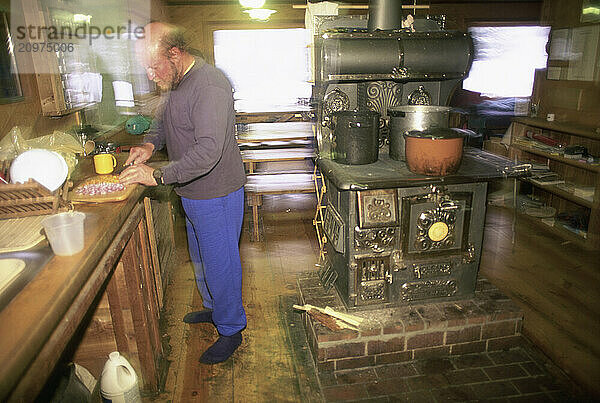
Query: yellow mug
[104,163]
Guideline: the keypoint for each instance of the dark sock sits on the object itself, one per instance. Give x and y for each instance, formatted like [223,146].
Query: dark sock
[222,349]
[203,316]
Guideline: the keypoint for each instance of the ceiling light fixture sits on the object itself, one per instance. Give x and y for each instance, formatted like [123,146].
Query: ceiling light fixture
[252,3]
[260,13]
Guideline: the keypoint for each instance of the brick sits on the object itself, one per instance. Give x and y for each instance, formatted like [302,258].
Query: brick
[422,396]
[468,348]
[472,361]
[532,368]
[413,322]
[356,376]
[394,328]
[392,358]
[325,335]
[385,346]
[509,357]
[327,379]
[345,350]
[527,385]
[498,329]
[470,333]
[434,366]
[454,315]
[430,339]
[344,392]
[325,366]
[428,382]
[396,371]
[352,363]
[431,352]
[505,343]
[432,317]
[489,390]
[461,393]
[536,398]
[386,387]
[508,371]
[464,376]
[370,332]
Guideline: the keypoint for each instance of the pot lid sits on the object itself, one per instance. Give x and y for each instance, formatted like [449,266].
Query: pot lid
[436,133]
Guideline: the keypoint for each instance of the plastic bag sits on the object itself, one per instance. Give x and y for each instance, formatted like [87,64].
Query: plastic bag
[15,143]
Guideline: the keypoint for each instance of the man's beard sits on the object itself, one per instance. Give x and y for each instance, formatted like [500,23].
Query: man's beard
[176,79]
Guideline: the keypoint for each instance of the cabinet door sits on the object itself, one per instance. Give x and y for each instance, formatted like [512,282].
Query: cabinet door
[126,318]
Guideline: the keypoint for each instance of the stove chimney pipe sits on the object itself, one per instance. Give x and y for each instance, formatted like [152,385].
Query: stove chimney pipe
[385,15]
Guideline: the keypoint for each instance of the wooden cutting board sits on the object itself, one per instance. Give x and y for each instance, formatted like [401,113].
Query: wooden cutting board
[20,233]
[110,197]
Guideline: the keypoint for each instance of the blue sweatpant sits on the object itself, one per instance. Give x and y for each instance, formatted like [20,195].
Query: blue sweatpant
[213,229]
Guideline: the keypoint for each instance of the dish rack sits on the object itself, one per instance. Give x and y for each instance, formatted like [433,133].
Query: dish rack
[30,199]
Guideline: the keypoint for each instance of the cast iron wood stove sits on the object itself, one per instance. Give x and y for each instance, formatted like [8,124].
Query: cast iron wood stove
[394,237]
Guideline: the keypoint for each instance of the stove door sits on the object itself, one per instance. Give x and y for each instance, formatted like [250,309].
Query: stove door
[434,223]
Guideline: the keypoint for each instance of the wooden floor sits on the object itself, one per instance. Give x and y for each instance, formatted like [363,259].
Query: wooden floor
[556,284]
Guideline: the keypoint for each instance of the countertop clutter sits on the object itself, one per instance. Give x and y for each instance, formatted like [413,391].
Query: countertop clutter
[46,317]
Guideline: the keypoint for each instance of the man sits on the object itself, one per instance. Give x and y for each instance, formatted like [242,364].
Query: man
[205,166]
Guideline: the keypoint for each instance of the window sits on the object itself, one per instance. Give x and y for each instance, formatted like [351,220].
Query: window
[505,60]
[268,68]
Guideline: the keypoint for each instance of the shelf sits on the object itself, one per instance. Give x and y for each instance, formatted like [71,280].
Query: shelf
[563,193]
[565,127]
[556,229]
[568,161]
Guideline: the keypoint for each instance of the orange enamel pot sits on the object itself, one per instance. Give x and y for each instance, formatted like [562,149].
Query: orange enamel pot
[435,152]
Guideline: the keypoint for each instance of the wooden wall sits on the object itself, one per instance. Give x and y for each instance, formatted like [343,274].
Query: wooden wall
[202,20]
[570,101]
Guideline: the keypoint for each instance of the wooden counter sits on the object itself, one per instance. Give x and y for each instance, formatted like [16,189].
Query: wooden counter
[45,322]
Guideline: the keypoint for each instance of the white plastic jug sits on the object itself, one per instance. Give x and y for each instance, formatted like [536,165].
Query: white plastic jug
[118,382]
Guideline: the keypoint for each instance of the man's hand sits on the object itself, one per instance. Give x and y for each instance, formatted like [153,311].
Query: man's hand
[140,154]
[139,173]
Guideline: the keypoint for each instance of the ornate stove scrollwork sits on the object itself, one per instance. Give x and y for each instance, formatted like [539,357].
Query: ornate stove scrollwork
[336,101]
[380,96]
[377,208]
[428,289]
[419,97]
[372,274]
[436,227]
[376,239]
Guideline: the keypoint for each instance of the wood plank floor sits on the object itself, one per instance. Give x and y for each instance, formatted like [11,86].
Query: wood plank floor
[555,283]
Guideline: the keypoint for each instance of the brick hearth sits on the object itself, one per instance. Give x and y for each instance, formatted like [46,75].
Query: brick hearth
[489,321]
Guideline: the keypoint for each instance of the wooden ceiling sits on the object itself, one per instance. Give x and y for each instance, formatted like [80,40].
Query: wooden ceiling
[418,2]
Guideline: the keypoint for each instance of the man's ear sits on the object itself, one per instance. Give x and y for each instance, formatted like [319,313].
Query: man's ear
[174,52]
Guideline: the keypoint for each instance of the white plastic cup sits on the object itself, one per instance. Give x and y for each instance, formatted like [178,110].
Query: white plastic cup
[65,232]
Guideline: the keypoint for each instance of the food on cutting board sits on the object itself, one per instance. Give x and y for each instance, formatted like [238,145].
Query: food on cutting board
[100,185]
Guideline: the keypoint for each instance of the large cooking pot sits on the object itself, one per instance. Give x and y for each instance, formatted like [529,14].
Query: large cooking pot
[356,137]
[405,118]
[434,152]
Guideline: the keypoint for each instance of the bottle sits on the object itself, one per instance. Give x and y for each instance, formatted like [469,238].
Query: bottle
[118,382]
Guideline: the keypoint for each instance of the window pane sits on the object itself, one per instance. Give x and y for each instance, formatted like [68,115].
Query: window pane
[268,68]
[505,60]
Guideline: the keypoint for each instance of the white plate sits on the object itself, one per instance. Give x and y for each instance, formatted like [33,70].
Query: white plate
[46,167]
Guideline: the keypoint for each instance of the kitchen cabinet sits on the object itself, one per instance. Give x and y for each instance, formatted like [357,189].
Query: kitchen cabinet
[126,319]
[575,189]
[80,308]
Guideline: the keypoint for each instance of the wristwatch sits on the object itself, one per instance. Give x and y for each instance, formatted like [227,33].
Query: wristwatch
[158,176]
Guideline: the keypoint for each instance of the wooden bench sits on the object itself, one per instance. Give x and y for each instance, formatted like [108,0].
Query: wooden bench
[274,183]
[252,157]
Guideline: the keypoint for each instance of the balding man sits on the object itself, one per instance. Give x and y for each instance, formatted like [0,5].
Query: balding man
[205,166]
